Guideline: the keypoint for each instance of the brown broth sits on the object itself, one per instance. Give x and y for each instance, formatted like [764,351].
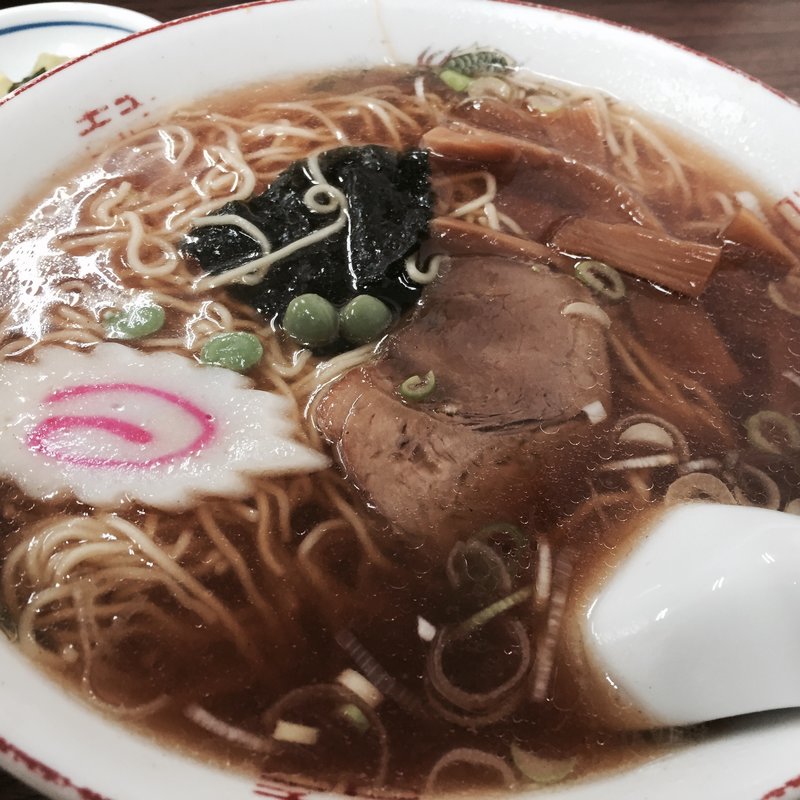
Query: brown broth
[195,664]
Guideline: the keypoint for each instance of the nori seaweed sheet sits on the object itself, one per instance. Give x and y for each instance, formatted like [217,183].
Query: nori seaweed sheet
[390,204]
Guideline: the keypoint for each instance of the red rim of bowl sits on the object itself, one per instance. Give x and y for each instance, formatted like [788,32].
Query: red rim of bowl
[36,769]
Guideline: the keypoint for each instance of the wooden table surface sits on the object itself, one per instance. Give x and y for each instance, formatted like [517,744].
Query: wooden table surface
[758,36]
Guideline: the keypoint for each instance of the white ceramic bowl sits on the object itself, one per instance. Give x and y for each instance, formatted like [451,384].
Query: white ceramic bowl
[64,29]
[74,110]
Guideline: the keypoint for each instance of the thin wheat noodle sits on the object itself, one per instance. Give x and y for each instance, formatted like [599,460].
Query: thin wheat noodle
[237,562]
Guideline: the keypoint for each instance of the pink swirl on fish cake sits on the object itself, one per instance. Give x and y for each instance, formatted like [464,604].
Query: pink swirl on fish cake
[39,439]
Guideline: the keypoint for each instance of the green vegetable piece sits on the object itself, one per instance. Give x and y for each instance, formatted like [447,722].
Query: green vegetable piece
[601,279]
[785,432]
[504,530]
[544,104]
[311,320]
[540,769]
[455,80]
[416,389]
[479,619]
[364,319]
[510,541]
[238,351]
[135,322]
[48,61]
[354,716]
[475,568]
[27,79]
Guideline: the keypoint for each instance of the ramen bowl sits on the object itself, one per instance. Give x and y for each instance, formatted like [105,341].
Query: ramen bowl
[68,750]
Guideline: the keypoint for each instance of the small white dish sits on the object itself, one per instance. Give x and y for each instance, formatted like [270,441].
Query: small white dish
[63,29]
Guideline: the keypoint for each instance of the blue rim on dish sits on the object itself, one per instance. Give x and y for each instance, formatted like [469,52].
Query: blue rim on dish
[62,24]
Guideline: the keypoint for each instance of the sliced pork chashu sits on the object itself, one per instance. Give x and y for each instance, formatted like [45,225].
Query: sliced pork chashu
[513,372]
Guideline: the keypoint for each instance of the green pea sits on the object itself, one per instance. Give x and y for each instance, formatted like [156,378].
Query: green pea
[364,319]
[311,320]
[237,351]
[135,322]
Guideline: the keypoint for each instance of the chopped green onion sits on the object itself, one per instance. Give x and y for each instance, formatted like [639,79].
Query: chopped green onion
[487,614]
[425,630]
[512,543]
[378,676]
[755,488]
[311,320]
[490,86]
[486,762]
[218,727]
[360,687]
[698,487]
[294,733]
[601,278]
[135,322]
[364,319]
[784,427]
[647,433]
[642,462]
[792,507]
[354,716]
[416,388]
[540,769]
[786,295]
[496,532]
[595,412]
[455,80]
[237,351]
[478,568]
[544,104]
[504,530]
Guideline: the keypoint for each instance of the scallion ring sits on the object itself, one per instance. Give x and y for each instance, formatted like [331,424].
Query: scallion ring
[416,389]
[792,507]
[601,279]
[457,81]
[540,769]
[510,542]
[504,530]
[784,429]
[478,568]
[353,716]
[479,619]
